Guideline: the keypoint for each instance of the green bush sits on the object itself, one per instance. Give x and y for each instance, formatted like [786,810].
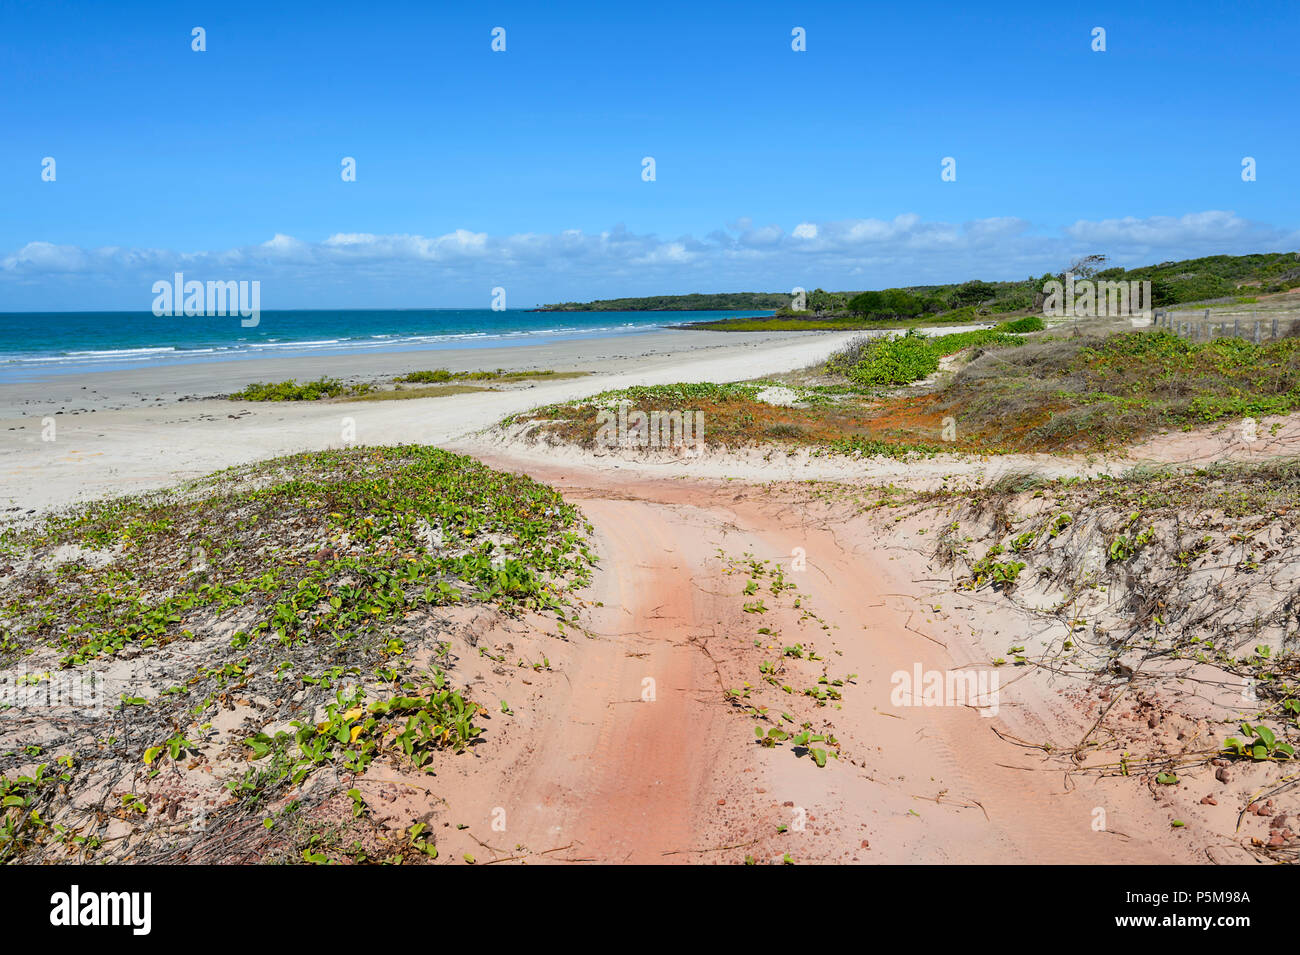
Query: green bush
[945,345]
[894,361]
[1030,323]
[971,293]
[900,360]
[292,391]
[435,376]
[891,303]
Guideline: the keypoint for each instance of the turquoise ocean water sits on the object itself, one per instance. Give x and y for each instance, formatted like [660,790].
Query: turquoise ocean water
[35,344]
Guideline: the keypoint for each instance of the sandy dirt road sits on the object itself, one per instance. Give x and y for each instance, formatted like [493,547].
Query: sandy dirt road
[617,776]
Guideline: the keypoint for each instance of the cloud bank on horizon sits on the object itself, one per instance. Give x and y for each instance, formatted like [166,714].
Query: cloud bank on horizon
[460,268]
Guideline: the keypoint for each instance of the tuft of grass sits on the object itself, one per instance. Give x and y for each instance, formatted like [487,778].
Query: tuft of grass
[290,390]
[429,391]
[1016,482]
[1030,323]
[875,448]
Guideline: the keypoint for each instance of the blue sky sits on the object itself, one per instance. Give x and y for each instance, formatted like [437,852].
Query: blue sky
[522,169]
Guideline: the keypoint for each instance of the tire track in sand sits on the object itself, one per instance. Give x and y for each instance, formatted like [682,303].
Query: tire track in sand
[623,780]
[620,777]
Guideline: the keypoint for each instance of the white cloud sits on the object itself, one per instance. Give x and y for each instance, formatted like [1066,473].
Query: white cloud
[672,253]
[1161,238]
[766,237]
[355,269]
[1158,230]
[47,257]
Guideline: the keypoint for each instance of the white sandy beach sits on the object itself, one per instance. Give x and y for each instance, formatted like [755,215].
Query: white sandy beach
[121,432]
[82,392]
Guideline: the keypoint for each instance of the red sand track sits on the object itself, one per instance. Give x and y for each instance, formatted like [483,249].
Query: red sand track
[613,777]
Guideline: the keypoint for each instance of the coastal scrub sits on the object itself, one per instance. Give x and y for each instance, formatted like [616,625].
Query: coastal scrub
[254,636]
